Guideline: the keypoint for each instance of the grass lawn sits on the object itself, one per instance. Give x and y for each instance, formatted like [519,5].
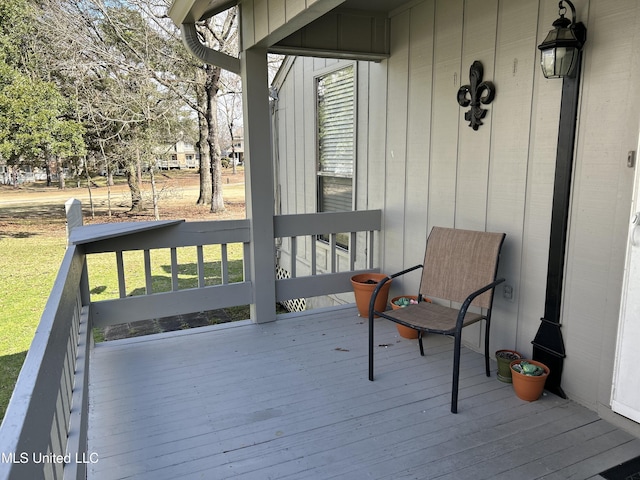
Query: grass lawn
[103,280]
[28,270]
[33,242]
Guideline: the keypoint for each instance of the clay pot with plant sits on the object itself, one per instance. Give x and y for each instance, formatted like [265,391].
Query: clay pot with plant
[528,378]
[504,359]
[401,302]
[363,286]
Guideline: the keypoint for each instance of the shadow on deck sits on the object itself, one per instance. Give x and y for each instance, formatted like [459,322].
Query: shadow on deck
[291,399]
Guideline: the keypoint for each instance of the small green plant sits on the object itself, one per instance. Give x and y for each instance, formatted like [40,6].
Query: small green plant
[529,369]
[404,301]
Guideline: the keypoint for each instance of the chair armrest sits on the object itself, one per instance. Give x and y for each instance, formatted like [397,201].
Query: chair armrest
[374,295]
[411,269]
[493,284]
[469,299]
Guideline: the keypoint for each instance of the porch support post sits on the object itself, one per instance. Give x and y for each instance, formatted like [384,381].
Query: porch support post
[259,182]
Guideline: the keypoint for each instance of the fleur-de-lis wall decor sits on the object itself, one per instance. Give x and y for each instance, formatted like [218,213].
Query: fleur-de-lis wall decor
[474,94]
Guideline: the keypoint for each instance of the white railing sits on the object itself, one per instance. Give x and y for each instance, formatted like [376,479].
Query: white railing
[44,432]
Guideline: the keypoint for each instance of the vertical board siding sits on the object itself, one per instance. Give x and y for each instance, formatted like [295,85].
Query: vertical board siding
[479,39]
[290,169]
[299,125]
[308,135]
[600,214]
[268,21]
[445,113]
[420,162]
[361,168]
[418,131]
[395,170]
[294,7]
[260,19]
[277,14]
[375,123]
[511,114]
[474,146]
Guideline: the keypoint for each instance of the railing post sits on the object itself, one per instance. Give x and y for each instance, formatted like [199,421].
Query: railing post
[259,183]
[73,209]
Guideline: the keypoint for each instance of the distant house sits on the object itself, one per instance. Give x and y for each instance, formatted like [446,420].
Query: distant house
[21,174]
[181,155]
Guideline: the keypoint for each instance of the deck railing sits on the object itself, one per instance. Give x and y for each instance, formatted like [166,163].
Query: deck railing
[44,432]
[44,427]
[177,301]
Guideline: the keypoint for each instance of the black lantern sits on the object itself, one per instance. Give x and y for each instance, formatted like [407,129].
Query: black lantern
[560,51]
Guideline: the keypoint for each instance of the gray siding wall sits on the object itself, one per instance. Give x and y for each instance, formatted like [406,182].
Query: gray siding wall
[420,162]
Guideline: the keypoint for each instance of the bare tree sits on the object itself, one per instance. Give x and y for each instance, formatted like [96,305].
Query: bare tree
[118,51]
[109,55]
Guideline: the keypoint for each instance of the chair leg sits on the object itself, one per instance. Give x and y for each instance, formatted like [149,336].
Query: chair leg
[456,372]
[371,346]
[486,347]
[420,342]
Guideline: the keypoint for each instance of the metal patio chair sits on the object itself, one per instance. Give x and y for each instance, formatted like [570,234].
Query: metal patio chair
[460,268]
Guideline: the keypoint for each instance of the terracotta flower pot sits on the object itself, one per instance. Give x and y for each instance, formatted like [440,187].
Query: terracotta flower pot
[406,332]
[363,286]
[504,359]
[528,387]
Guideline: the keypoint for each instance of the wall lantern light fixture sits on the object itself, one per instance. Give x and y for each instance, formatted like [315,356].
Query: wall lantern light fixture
[560,51]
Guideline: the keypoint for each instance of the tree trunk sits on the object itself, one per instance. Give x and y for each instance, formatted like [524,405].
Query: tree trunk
[109,173]
[137,203]
[139,168]
[47,169]
[61,182]
[233,149]
[203,143]
[205,162]
[217,200]
[89,182]
[154,193]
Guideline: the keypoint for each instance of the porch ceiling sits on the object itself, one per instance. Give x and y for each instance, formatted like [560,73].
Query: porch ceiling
[356,29]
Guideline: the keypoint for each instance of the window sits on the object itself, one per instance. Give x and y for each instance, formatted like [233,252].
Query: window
[336,140]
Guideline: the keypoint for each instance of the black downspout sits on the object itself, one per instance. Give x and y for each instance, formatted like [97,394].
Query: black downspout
[548,345]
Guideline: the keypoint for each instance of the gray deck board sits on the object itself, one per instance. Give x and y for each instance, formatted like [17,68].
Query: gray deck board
[291,400]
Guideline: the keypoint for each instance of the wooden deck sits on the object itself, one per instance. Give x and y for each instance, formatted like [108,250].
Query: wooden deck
[291,400]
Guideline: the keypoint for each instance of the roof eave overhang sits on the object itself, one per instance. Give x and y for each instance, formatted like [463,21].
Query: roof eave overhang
[191,11]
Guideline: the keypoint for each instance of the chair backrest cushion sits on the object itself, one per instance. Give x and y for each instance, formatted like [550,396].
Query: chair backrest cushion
[459,262]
